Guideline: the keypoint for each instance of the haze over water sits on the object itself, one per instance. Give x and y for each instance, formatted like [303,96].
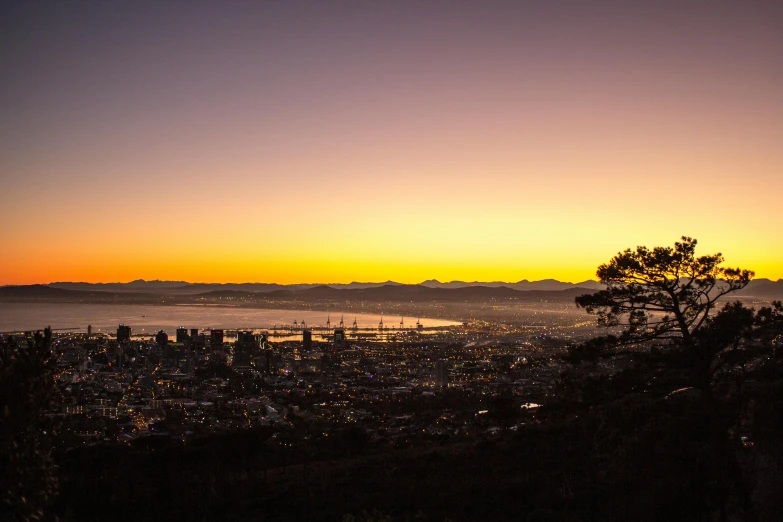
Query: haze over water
[149,319]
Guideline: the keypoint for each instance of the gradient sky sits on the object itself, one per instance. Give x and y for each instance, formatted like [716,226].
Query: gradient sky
[339,141]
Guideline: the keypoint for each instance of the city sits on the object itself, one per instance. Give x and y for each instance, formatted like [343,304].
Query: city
[391,261]
[235,421]
[123,389]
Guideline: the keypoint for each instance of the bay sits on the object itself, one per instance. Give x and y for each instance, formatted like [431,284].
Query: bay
[147,319]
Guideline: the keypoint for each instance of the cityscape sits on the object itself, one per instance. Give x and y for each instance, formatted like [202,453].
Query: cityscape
[249,413]
[118,389]
[391,261]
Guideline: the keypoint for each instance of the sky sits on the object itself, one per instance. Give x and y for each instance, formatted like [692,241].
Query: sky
[330,141]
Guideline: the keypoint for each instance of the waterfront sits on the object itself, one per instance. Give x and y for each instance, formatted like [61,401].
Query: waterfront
[151,318]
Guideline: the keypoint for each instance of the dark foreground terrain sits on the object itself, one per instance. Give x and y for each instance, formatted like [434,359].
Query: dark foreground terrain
[634,457]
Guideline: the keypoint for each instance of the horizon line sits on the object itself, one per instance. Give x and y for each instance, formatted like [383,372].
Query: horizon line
[300,283]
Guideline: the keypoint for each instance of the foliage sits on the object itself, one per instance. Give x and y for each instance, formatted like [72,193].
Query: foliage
[703,371]
[28,481]
[661,294]
[663,299]
[769,324]
[739,336]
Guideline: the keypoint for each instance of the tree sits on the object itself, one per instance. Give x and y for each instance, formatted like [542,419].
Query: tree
[663,312]
[663,293]
[738,336]
[28,481]
[661,297]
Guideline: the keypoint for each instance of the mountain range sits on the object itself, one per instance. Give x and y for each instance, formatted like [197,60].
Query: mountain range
[390,290]
[185,288]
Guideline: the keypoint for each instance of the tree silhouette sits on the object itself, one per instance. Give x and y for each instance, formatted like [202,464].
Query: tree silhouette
[738,335]
[662,297]
[28,480]
[663,293]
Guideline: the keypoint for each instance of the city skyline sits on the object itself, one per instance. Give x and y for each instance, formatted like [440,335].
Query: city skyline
[391,260]
[340,142]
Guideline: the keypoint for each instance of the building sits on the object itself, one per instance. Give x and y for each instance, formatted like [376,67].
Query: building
[244,349]
[123,333]
[119,358]
[268,362]
[246,338]
[216,338]
[162,338]
[182,334]
[441,374]
[194,334]
[307,339]
[339,336]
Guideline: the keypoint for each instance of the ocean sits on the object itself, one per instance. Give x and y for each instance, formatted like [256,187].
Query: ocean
[148,319]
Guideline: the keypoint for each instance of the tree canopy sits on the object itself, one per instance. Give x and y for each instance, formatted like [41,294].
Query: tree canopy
[28,481]
[664,293]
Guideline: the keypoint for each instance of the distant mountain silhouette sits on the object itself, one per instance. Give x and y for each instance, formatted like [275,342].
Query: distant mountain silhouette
[387,292]
[466,293]
[185,288]
[218,294]
[763,288]
[132,286]
[397,292]
[180,291]
[524,285]
[35,291]
[43,292]
[168,287]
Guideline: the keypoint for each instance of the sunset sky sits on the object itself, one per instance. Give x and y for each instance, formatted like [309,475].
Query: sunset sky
[364,141]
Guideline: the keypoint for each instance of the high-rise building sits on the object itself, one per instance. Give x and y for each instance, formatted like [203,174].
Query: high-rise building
[194,334]
[182,334]
[441,374]
[89,330]
[120,358]
[307,339]
[244,349]
[216,338]
[246,337]
[339,336]
[162,338]
[123,333]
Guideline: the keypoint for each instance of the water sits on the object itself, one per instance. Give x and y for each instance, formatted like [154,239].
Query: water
[147,319]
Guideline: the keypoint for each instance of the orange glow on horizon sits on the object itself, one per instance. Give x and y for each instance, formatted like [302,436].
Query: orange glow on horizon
[273,143]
